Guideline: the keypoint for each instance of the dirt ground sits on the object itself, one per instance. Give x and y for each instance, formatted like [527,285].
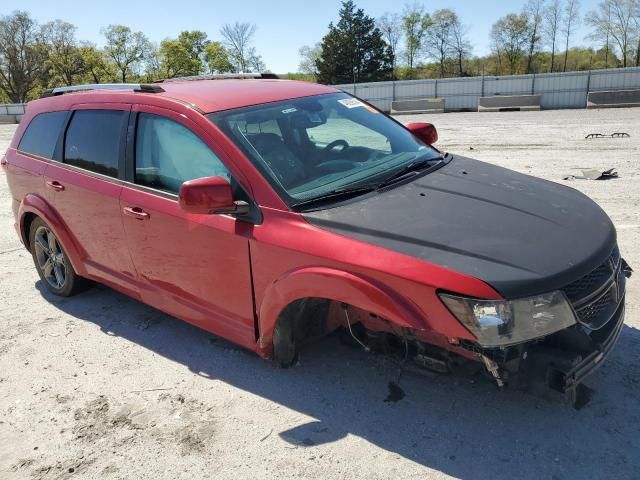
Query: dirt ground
[101,386]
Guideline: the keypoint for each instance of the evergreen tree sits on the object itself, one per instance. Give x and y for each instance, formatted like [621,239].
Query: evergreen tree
[354,50]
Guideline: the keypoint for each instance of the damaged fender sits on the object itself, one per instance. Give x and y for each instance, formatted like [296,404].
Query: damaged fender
[337,285]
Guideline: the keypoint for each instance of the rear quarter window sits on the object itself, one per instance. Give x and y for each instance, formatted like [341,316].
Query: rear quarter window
[42,133]
[93,140]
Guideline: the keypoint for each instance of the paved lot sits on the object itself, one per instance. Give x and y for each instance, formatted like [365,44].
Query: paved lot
[100,386]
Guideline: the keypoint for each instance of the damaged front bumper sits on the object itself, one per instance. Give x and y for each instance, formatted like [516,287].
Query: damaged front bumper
[555,366]
[558,366]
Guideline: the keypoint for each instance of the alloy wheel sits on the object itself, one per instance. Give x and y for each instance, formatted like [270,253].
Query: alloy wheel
[50,257]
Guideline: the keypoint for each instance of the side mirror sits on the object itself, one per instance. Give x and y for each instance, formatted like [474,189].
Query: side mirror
[209,195]
[424,131]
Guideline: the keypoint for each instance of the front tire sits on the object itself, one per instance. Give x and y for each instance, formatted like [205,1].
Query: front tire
[51,261]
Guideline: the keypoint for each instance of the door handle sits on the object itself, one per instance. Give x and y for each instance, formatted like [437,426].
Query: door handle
[55,185]
[136,212]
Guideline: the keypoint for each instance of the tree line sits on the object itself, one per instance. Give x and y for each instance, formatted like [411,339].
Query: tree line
[35,57]
[420,44]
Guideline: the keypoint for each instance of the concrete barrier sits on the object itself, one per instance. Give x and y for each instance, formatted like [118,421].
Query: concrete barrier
[614,99]
[422,105]
[509,103]
[12,112]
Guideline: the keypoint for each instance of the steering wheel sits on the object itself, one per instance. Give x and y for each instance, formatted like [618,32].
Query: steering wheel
[336,143]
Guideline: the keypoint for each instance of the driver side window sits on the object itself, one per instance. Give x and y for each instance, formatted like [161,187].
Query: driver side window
[168,154]
[355,134]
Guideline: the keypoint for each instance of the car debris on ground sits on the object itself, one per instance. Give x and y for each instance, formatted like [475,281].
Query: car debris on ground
[593,174]
[606,135]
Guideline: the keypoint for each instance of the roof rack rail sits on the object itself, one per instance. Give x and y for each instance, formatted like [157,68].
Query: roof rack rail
[134,87]
[221,76]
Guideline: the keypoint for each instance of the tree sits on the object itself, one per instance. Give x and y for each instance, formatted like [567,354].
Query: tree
[64,58]
[438,41]
[96,67]
[353,51]
[390,24]
[309,57]
[461,45]
[238,39]
[176,60]
[615,19]
[217,58]
[552,16]
[153,68]
[127,49]
[571,21]
[510,35]
[22,55]
[415,23]
[533,9]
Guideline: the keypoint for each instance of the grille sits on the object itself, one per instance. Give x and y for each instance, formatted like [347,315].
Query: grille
[598,311]
[589,283]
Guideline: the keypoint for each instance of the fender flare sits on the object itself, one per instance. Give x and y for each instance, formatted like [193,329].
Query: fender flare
[336,285]
[35,204]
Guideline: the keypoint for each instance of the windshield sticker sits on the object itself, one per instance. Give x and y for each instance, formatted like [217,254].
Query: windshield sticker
[351,102]
[289,110]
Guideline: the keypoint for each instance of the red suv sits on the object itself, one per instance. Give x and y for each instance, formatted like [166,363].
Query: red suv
[272,212]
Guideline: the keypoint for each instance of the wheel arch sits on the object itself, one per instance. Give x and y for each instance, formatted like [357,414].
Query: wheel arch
[33,206]
[332,285]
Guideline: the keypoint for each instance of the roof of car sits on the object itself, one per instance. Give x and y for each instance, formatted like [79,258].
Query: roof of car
[207,95]
[216,95]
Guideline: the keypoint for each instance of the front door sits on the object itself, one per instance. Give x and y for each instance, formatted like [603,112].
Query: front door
[195,267]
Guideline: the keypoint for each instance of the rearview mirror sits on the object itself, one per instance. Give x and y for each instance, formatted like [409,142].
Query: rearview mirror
[424,131]
[209,195]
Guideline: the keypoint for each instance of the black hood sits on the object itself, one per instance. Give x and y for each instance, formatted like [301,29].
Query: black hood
[520,234]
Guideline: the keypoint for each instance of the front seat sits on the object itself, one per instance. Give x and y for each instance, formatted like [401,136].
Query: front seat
[277,155]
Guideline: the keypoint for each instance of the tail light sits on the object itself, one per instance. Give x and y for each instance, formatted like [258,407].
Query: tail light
[3,161]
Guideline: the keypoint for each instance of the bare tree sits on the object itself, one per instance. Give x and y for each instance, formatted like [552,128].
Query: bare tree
[616,19]
[552,17]
[600,22]
[256,64]
[461,45]
[126,48]
[238,38]
[636,23]
[534,10]
[438,41]
[309,59]
[571,21]
[390,24]
[22,55]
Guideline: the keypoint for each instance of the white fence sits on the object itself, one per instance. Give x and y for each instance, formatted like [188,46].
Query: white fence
[11,112]
[558,90]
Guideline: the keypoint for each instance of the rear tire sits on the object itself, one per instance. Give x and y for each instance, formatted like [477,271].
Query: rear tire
[51,261]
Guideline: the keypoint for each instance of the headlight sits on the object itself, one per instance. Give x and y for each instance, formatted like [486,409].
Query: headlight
[504,322]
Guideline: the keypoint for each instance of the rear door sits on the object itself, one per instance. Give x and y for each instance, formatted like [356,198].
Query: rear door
[195,267]
[84,188]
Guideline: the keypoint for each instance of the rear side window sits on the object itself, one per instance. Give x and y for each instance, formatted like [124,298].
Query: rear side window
[93,140]
[168,154]
[42,134]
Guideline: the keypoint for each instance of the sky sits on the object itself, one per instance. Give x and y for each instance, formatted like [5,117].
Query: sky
[283,25]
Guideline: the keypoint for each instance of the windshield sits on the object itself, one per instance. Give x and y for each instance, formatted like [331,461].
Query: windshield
[308,147]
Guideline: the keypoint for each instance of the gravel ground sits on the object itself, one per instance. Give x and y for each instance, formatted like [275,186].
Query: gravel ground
[101,386]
